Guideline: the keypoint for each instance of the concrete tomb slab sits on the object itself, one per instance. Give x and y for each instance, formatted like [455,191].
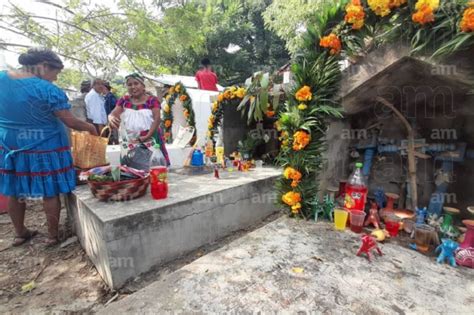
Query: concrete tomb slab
[125,239]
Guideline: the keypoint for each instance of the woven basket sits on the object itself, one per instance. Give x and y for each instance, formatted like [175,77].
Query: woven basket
[119,191]
[89,151]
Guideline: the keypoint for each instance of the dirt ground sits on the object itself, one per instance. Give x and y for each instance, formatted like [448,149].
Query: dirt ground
[66,282]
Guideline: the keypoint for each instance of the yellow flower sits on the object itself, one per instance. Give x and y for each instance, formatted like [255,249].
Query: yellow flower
[228,94]
[240,93]
[209,134]
[215,107]
[304,94]
[277,125]
[210,126]
[302,106]
[355,14]
[166,108]
[380,7]
[220,97]
[168,97]
[296,208]
[171,90]
[186,113]
[291,198]
[433,4]
[178,88]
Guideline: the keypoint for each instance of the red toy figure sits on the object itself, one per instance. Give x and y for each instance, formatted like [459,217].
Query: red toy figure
[368,244]
[373,217]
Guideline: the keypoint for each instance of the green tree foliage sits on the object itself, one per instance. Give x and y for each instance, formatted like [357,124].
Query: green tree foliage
[289,19]
[164,37]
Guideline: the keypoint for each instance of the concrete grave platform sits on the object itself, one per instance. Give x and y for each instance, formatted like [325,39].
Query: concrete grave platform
[298,267]
[125,239]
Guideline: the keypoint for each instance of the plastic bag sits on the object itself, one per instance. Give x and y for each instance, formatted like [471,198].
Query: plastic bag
[138,158]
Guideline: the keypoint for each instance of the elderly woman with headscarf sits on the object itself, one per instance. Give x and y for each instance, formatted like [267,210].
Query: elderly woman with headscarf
[139,114]
[35,157]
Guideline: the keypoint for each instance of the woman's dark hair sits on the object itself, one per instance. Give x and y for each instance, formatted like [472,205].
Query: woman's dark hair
[36,56]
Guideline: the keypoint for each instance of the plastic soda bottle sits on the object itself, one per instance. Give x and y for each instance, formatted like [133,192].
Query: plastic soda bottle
[356,190]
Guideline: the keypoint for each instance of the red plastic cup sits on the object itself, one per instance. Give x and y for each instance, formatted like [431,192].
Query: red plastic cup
[392,227]
[159,182]
[357,221]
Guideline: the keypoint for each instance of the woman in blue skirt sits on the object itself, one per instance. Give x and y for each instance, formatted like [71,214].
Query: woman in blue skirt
[35,157]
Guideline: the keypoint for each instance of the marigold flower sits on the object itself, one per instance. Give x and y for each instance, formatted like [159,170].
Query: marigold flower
[396,3]
[380,7]
[294,175]
[304,94]
[166,108]
[183,98]
[302,106]
[220,97]
[467,22]
[171,90]
[167,123]
[215,107]
[240,93]
[186,113]
[300,140]
[291,198]
[228,94]
[355,14]
[270,113]
[433,4]
[296,208]
[177,88]
[332,42]
[424,15]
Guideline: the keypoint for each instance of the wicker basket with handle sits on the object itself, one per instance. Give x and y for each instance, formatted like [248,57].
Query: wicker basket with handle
[89,151]
[119,191]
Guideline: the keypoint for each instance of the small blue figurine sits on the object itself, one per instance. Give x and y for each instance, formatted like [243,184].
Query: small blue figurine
[380,199]
[447,248]
[421,215]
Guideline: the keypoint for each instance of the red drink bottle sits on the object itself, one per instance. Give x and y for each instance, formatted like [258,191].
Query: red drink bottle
[356,190]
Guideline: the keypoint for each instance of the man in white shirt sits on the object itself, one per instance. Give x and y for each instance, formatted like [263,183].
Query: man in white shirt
[95,105]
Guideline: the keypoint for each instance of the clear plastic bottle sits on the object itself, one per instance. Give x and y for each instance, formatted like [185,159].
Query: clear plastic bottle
[157,158]
[356,190]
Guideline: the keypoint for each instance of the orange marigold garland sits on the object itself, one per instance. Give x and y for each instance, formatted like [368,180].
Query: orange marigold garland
[294,175]
[331,42]
[292,199]
[467,22]
[355,14]
[304,94]
[425,10]
[301,139]
[380,7]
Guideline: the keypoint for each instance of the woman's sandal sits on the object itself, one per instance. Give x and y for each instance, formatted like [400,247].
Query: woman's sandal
[51,242]
[20,240]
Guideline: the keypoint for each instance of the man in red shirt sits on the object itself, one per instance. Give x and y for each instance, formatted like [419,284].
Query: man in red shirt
[206,79]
